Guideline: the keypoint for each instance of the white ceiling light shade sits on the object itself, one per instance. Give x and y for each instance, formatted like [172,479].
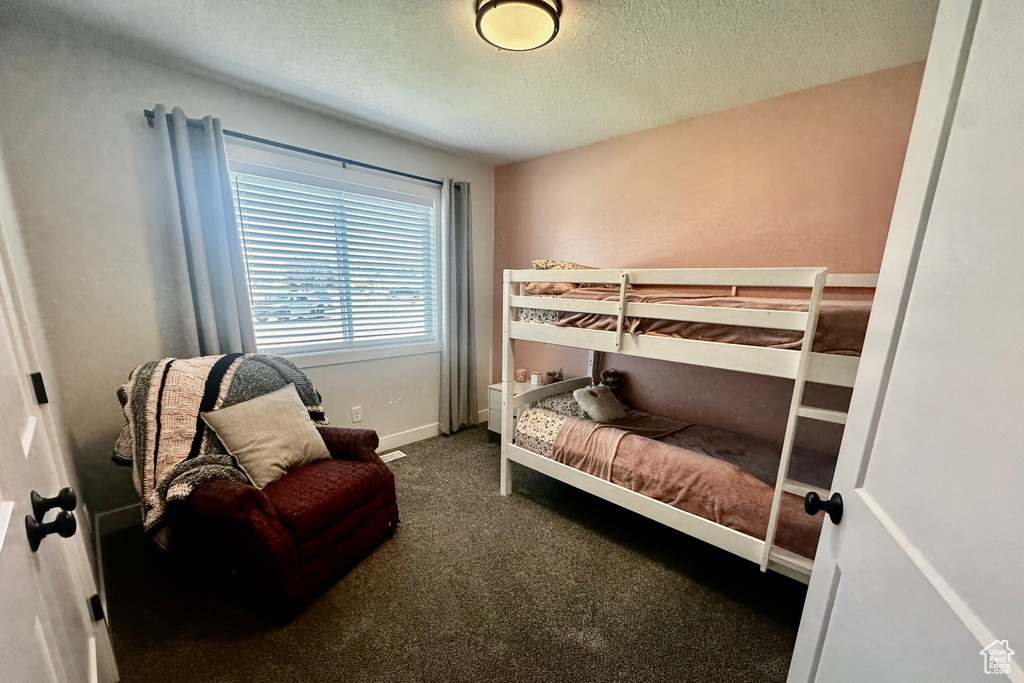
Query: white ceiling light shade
[518,24]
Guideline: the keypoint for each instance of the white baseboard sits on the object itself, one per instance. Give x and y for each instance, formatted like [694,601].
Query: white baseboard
[482,416]
[392,441]
[409,436]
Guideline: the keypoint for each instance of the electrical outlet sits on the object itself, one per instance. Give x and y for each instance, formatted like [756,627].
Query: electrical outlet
[357,413]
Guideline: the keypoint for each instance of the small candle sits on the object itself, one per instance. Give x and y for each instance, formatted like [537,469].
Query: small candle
[535,378]
[522,375]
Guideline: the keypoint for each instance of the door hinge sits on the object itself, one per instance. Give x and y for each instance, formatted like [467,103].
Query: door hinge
[96,607]
[39,387]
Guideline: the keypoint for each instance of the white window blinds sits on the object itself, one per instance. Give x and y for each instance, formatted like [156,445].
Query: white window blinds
[331,269]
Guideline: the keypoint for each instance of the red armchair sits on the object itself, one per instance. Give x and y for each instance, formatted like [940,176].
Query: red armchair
[295,537]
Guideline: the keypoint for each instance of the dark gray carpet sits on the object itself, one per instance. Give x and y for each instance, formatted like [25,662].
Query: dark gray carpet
[549,584]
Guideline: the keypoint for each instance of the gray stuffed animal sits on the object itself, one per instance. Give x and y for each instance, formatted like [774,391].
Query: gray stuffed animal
[613,379]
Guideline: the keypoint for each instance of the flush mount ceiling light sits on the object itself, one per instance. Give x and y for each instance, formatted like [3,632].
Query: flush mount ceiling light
[518,24]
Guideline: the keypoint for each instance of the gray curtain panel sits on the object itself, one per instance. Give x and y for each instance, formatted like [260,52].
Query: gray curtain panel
[206,246]
[458,349]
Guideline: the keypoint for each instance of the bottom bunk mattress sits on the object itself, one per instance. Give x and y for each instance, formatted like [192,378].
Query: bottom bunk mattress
[725,477]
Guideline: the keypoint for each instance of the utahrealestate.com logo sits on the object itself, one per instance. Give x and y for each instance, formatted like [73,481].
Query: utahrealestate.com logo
[997,657]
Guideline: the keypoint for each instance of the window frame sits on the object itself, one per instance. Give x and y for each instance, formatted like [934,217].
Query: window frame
[258,160]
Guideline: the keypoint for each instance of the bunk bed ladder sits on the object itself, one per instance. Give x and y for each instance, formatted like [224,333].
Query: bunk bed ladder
[791,562]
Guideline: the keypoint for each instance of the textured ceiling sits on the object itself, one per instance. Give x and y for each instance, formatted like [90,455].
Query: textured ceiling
[417,67]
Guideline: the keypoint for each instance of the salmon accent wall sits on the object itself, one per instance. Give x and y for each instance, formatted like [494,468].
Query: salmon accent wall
[806,179]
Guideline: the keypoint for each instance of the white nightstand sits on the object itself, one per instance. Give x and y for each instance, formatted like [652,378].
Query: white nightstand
[494,403]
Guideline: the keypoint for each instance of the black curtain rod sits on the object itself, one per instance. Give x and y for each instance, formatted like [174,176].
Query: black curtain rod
[148,113]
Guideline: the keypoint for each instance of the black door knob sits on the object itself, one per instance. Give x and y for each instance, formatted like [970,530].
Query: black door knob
[65,500]
[64,525]
[813,504]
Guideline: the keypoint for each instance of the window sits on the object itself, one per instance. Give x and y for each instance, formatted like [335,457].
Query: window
[333,265]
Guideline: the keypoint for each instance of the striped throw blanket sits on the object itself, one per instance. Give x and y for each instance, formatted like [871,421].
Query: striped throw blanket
[167,443]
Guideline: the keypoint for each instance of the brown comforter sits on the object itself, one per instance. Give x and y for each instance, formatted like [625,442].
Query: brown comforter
[704,486]
[841,324]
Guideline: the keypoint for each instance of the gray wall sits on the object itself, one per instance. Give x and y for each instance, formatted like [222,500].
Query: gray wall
[88,188]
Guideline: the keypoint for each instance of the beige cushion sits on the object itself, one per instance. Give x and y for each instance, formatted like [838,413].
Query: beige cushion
[269,435]
[599,403]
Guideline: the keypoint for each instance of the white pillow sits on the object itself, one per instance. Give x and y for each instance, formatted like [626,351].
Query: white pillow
[269,435]
[600,404]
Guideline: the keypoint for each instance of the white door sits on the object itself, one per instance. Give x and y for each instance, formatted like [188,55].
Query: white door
[47,633]
[926,568]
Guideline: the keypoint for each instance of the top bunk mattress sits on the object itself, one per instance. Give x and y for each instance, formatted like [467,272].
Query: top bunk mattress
[842,324]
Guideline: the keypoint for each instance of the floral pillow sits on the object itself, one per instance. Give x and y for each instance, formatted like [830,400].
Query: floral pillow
[541,316]
[536,430]
[549,264]
[563,404]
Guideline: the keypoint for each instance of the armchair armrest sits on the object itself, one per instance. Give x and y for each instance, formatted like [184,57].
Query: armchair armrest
[225,500]
[235,525]
[351,444]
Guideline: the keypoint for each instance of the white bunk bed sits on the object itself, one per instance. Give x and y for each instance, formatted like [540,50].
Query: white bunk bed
[798,364]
